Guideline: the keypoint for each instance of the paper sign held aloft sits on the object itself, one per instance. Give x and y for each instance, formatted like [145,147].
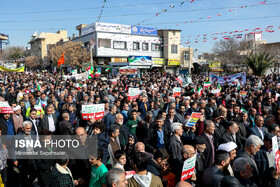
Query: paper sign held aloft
[176,92]
[275,150]
[133,93]
[5,108]
[193,119]
[93,111]
[188,168]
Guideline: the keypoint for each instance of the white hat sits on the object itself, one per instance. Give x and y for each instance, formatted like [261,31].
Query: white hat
[16,108]
[228,147]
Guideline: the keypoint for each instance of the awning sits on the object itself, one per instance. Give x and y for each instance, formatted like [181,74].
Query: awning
[143,67]
[157,66]
[118,63]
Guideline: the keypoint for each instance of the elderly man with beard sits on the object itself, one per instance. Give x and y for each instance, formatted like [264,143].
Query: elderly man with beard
[26,166]
[124,132]
[231,135]
[200,146]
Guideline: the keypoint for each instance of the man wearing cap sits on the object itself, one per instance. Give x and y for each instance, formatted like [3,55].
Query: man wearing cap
[229,147]
[200,146]
[17,119]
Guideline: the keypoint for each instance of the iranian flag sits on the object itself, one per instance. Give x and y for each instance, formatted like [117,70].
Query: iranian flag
[243,110]
[207,84]
[180,79]
[200,91]
[226,37]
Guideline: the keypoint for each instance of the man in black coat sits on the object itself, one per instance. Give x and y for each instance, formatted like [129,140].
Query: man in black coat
[231,135]
[124,132]
[252,146]
[153,140]
[48,121]
[210,150]
[200,146]
[64,127]
[26,165]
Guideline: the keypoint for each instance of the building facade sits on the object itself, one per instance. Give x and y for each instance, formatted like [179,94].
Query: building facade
[144,47]
[39,42]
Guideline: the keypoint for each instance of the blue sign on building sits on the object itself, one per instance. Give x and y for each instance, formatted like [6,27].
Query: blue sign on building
[143,31]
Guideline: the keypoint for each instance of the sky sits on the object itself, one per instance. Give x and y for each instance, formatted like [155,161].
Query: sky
[21,18]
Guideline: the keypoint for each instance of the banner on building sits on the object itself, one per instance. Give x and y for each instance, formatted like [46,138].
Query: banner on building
[188,168]
[5,108]
[140,60]
[111,27]
[158,61]
[231,79]
[176,92]
[143,31]
[133,93]
[93,111]
[21,69]
[128,70]
[193,119]
[275,150]
[87,29]
[173,62]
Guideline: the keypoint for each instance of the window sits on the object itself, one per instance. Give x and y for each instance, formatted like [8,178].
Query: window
[155,47]
[187,55]
[145,46]
[119,45]
[104,43]
[136,46]
[174,49]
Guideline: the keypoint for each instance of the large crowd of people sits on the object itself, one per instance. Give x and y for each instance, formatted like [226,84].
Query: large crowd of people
[143,142]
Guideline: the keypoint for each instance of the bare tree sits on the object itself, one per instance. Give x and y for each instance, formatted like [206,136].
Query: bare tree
[33,62]
[227,52]
[74,53]
[13,52]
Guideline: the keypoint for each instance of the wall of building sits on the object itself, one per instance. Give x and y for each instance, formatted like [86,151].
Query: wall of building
[106,46]
[185,63]
[39,43]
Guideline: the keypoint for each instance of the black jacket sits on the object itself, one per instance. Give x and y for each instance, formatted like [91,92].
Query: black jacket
[256,176]
[64,128]
[229,138]
[152,138]
[208,152]
[44,123]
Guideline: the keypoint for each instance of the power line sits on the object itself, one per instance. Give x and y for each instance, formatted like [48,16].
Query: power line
[232,19]
[124,15]
[82,9]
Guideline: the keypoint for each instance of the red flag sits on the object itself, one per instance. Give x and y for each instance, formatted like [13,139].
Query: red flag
[61,60]
[125,88]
